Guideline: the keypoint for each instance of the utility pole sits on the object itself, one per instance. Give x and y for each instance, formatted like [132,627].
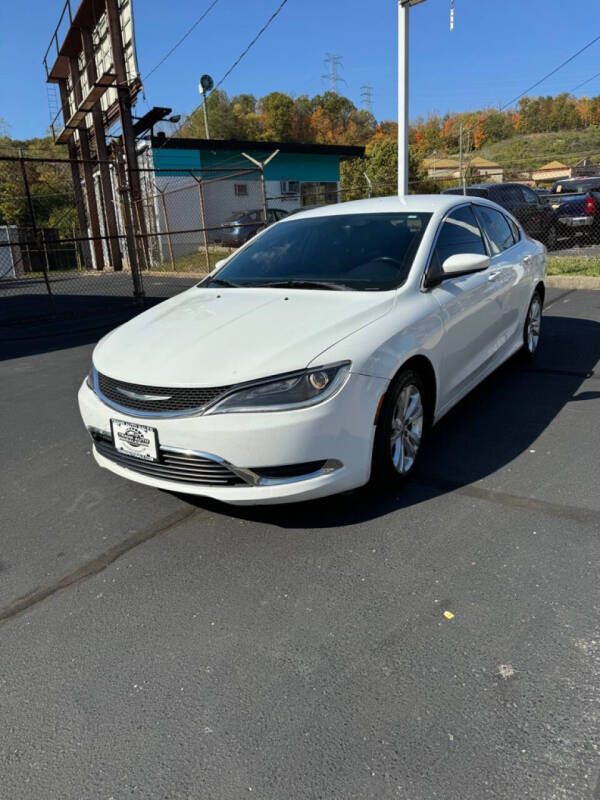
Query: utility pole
[403,85]
[461,154]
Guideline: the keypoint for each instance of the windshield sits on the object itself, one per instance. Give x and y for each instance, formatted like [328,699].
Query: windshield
[364,252]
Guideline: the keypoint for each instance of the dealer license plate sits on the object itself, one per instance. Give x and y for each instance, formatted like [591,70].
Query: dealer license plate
[135,439]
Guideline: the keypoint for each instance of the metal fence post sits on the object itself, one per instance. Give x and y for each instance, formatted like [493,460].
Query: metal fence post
[203,220]
[261,165]
[163,203]
[33,223]
[123,189]
[144,234]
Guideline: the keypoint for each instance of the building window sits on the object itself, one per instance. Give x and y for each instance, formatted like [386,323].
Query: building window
[319,194]
[240,189]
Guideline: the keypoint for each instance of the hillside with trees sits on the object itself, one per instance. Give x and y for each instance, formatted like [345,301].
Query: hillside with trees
[538,130]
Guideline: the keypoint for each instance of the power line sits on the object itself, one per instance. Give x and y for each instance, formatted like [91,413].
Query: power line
[535,85]
[589,80]
[183,38]
[554,71]
[252,43]
[238,59]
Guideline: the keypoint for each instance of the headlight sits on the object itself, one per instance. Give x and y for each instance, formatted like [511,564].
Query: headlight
[298,390]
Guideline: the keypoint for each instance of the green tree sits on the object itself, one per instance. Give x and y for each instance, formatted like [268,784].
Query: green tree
[277,117]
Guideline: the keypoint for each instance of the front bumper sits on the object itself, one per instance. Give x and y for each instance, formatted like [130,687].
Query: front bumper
[337,434]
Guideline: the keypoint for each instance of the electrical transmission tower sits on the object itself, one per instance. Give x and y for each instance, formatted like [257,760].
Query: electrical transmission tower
[366,97]
[333,64]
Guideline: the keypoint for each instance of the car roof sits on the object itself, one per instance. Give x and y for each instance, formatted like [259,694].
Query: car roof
[415,203]
[587,179]
[489,185]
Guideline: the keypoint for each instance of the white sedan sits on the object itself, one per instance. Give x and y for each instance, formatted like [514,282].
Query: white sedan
[317,357]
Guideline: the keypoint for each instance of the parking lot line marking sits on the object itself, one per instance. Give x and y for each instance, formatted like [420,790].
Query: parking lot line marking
[95,565]
[558,299]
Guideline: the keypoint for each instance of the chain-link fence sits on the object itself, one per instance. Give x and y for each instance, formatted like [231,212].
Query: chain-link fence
[74,242]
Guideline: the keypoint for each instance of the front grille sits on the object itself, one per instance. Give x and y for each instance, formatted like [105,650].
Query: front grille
[179,400]
[171,466]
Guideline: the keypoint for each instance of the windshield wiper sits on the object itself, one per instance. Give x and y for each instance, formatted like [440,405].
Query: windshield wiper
[297,284]
[223,282]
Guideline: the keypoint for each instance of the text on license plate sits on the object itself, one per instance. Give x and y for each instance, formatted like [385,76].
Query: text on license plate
[135,439]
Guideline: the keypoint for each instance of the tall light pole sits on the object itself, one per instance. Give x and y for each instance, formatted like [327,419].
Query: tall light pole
[403,86]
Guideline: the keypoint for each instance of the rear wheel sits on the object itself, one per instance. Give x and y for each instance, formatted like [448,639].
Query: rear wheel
[401,427]
[552,238]
[533,326]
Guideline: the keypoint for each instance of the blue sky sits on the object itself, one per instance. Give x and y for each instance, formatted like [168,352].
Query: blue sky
[498,48]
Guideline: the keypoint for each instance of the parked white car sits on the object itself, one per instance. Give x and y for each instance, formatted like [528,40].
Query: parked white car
[318,355]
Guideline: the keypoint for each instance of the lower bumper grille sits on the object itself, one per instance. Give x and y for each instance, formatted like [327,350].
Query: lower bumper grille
[171,466]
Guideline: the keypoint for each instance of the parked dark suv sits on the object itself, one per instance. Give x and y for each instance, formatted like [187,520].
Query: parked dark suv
[242,225]
[522,202]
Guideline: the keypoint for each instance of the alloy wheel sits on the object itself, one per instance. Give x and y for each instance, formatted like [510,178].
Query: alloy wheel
[407,428]
[534,324]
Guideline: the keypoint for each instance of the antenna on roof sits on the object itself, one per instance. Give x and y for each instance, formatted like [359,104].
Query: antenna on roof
[451,15]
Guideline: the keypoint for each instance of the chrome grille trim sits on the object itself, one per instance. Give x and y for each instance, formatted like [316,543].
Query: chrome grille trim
[183,463]
[167,402]
[200,469]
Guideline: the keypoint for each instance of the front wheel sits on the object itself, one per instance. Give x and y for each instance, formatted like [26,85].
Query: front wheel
[533,326]
[552,238]
[402,424]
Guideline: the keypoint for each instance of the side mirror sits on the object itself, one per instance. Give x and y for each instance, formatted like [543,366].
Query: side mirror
[464,264]
[218,265]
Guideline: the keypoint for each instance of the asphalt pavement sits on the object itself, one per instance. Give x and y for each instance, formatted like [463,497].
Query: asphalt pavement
[439,642]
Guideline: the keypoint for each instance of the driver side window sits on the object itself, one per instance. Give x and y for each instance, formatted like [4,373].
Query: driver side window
[460,233]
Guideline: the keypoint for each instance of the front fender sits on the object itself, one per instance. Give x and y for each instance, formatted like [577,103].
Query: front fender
[413,327]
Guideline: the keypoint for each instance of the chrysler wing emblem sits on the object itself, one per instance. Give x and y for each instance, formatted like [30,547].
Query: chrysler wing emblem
[140,396]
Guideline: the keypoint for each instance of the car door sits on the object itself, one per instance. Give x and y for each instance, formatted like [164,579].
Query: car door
[507,270]
[470,311]
[534,213]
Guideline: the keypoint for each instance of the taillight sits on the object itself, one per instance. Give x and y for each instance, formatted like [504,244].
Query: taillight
[590,205]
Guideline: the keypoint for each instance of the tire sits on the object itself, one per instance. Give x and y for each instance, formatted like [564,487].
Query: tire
[403,422]
[552,238]
[532,327]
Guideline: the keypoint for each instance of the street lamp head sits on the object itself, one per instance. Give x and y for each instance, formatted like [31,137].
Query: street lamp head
[410,2]
[206,84]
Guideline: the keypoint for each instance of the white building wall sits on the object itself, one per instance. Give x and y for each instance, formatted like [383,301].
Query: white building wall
[182,205]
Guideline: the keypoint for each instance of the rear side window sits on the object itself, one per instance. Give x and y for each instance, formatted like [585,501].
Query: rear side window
[509,195]
[460,233]
[499,233]
[529,195]
[515,229]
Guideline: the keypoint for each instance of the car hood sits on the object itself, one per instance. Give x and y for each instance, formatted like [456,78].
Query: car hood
[208,337]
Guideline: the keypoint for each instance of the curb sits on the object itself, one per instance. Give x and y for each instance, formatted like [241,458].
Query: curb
[572,282]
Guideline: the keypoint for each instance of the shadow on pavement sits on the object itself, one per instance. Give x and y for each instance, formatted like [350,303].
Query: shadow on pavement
[39,324]
[485,432]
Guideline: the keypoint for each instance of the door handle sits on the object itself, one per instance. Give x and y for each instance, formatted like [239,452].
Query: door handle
[493,275]
[527,259]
